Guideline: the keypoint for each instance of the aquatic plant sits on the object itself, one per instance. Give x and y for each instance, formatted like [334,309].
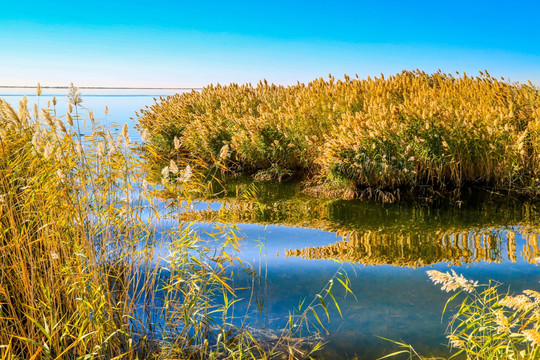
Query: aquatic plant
[487,324]
[79,229]
[380,137]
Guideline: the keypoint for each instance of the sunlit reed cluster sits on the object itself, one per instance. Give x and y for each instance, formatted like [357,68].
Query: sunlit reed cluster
[487,323]
[384,135]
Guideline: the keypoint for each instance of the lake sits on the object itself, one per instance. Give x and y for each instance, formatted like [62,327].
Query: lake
[299,243]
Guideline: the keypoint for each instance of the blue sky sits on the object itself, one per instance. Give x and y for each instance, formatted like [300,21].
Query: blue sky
[184,44]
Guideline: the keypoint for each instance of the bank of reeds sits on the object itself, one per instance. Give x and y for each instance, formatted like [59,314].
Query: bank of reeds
[487,323]
[363,137]
[80,277]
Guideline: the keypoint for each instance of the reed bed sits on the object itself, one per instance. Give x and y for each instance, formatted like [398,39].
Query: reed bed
[487,323]
[79,274]
[376,137]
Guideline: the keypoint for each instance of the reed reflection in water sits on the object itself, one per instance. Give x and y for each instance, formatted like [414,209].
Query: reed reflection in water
[484,229]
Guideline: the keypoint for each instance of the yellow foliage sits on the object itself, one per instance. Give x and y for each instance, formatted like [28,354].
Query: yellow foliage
[405,131]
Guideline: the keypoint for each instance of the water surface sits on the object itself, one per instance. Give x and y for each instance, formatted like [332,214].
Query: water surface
[386,250]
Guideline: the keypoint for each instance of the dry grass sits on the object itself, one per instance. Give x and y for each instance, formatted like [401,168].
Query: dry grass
[79,274]
[409,131]
[487,324]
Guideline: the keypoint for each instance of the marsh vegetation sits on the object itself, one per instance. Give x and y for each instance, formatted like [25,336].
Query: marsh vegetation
[80,277]
[104,254]
[383,137]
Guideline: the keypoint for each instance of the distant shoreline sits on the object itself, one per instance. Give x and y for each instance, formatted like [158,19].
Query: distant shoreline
[101,87]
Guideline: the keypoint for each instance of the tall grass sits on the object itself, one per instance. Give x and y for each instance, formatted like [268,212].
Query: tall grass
[487,323]
[375,137]
[80,276]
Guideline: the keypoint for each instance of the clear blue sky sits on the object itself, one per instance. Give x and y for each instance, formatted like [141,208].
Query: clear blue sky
[181,43]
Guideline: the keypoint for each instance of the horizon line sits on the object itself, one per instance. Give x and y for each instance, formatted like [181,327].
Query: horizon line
[100,87]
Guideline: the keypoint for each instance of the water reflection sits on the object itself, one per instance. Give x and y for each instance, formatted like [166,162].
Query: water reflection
[484,237]
[483,228]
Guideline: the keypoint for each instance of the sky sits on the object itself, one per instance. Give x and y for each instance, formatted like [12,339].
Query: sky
[166,43]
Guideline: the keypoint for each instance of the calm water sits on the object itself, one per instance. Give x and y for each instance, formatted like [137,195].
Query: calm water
[299,243]
[386,250]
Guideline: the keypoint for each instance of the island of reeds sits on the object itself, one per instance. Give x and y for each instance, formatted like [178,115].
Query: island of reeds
[412,133]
